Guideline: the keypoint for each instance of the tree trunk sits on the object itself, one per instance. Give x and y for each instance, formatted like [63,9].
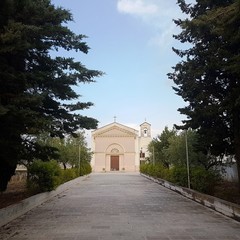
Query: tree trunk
[237,144]
[6,172]
[238,168]
[64,166]
[237,156]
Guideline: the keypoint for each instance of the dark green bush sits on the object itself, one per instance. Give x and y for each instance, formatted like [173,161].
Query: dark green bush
[144,168]
[148,169]
[179,176]
[162,172]
[85,169]
[157,170]
[68,174]
[44,176]
[204,180]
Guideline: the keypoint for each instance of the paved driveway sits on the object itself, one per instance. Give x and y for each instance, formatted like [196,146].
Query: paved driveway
[120,206]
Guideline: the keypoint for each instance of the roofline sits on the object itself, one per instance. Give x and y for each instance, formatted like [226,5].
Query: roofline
[113,124]
[145,122]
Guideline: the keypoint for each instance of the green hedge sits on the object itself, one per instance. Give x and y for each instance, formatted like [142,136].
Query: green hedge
[68,174]
[46,176]
[85,168]
[157,170]
[179,176]
[201,180]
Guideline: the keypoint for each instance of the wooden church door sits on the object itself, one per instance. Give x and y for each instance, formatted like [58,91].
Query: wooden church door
[114,163]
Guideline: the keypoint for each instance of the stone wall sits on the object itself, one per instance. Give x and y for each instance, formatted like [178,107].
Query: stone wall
[229,173]
[20,175]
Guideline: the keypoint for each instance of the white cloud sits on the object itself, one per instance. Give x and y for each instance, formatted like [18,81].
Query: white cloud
[136,7]
[157,15]
[165,37]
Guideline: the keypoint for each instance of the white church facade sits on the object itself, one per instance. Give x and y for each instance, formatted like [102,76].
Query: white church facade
[117,147]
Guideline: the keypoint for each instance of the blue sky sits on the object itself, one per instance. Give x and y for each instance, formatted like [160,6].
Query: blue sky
[131,41]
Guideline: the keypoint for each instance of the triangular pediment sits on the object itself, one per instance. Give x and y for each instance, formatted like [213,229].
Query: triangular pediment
[115,130]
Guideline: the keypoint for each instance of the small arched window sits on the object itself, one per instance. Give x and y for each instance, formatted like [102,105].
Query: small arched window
[145,132]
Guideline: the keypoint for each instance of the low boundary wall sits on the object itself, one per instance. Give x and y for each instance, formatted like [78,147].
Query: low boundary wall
[19,175]
[13,211]
[226,208]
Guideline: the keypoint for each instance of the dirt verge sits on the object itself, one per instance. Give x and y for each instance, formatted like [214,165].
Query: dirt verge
[15,192]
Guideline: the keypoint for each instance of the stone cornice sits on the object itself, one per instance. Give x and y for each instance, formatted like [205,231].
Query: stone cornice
[122,132]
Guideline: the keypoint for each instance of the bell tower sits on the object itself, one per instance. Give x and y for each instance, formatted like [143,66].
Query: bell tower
[144,139]
[145,129]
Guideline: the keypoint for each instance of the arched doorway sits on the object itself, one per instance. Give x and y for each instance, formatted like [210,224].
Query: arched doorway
[114,157]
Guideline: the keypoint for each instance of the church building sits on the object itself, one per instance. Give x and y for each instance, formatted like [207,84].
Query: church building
[117,147]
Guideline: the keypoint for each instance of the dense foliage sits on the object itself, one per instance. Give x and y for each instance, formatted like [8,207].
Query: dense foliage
[202,180]
[208,77]
[169,149]
[46,176]
[69,151]
[158,146]
[36,93]
[170,160]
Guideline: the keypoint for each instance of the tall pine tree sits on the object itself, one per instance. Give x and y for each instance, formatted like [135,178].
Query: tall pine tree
[208,77]
[36,93]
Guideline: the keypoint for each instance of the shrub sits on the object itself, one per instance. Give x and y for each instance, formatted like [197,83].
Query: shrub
[68,174]
[157,170]
[148,169]
[85,169]
[143,168]
[204,180]
[44,176]
[179,176]
[201,180]
[161,171]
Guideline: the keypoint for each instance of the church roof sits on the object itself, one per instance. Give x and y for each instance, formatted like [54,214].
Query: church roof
[145,123]
[120,128]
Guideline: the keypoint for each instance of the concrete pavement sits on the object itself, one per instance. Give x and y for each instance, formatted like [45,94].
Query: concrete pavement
[120,206]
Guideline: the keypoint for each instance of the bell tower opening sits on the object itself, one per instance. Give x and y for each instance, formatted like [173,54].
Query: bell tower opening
[145,129]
